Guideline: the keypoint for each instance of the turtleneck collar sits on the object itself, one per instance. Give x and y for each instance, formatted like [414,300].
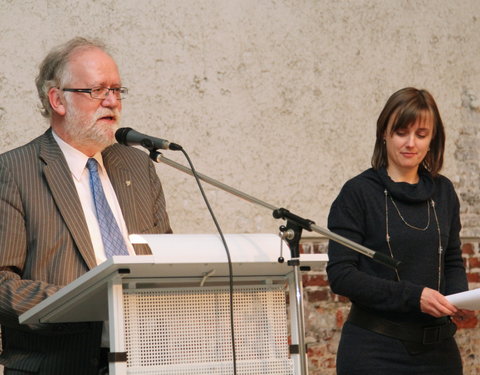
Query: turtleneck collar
[403,191]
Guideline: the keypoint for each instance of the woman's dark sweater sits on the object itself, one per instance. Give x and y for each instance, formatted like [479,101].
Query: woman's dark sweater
[359,214]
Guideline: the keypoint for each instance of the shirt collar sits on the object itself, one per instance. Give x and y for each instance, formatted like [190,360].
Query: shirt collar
[76,159]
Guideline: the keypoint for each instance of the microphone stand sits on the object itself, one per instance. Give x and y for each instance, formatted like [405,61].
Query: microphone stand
[291,232]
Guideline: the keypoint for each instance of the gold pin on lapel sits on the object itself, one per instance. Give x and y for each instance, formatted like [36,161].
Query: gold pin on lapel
[128,182]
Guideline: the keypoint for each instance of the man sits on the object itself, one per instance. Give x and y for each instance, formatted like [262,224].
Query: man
[49,228]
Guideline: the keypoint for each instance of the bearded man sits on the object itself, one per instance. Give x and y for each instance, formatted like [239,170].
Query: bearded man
[51,228]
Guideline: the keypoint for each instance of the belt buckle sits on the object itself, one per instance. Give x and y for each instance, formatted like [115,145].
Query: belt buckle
[431,335]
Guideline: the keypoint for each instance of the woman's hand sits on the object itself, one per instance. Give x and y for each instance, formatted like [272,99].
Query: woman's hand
[435,304]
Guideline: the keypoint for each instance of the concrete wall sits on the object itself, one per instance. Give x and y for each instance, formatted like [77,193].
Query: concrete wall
[278,98]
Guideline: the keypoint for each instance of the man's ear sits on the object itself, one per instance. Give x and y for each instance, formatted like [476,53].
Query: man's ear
[57,101]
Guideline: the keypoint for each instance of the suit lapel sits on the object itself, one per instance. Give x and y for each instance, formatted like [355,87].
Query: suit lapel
[59,179]
[121,178]
[125,184]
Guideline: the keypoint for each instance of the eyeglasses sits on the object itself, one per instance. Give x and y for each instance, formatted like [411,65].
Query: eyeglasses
[102,92]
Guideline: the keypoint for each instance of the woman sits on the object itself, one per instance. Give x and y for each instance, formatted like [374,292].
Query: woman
[399,321]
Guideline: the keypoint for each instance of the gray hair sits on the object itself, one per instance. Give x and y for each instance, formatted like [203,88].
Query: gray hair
[53,69]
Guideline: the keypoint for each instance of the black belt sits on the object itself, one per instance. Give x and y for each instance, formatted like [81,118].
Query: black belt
[402,331]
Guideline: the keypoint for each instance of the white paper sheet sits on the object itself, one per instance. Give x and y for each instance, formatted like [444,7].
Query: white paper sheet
[466,300]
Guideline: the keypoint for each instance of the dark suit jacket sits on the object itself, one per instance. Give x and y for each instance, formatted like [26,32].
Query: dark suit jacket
[45,244]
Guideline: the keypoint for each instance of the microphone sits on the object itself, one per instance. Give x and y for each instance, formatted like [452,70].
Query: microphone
[130,137]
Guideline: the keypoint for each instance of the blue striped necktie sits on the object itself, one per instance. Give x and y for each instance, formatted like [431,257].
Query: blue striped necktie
[112,238]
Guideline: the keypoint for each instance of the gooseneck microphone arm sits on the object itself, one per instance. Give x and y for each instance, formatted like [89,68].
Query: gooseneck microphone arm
[282,213]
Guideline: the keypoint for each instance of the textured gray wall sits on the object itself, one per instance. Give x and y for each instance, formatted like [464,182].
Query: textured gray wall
[278,98]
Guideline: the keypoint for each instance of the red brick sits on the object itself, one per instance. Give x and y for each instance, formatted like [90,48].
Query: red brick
[467,248]
[473,277]
[315,280]
[318,295]
[342,299]
[471,322]
[316,351]
[314,362]
[301,246]
[339,318]
[329,363]
[473,262]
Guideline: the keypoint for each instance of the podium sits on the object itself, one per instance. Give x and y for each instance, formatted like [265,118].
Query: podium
[169,313]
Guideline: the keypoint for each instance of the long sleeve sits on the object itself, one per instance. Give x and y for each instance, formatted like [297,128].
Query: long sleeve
[17,295]
[454,268]
[356,215]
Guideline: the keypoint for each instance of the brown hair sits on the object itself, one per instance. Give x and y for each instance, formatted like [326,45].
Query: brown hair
[404,108]
[53,69]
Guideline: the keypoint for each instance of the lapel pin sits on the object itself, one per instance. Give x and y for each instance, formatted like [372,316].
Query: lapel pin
[128,182]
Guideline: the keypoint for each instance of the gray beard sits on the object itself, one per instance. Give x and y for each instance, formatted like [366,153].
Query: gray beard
[84,130]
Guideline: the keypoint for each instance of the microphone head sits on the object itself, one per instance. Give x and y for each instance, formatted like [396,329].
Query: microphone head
[130,137]
[121,135]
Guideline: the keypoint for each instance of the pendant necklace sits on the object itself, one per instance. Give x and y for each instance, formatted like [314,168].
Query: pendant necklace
[430,203]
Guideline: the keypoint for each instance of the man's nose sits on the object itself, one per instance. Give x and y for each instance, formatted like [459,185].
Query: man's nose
[111,100]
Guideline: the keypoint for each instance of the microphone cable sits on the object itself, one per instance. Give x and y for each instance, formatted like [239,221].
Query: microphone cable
[129,137]
[230,266]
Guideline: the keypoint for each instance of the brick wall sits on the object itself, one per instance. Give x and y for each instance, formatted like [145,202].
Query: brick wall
[325,313]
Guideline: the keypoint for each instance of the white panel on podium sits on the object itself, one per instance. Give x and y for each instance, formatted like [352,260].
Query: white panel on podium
[209,248]
[175,314]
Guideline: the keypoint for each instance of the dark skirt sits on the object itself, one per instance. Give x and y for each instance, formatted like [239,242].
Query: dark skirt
[362,352]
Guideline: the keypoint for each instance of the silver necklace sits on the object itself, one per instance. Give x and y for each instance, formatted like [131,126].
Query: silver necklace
[430,203]
[405,222]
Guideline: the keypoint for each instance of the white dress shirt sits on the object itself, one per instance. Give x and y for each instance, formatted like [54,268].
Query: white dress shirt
[77,161]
